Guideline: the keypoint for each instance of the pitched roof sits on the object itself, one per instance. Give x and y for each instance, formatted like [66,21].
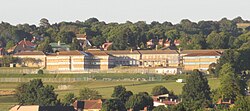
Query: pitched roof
[158,51]
[30,53]
[88,104]
[81,36]
[27,43]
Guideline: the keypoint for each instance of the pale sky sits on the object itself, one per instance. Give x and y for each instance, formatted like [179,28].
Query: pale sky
[31,11]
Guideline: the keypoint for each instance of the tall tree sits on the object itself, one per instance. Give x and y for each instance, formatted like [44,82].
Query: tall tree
[196,92]
[89,94]
[34,92]
[159,90]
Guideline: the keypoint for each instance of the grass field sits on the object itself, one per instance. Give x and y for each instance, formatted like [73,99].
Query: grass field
[105,88]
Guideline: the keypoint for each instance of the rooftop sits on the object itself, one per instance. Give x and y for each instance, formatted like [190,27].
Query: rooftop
[30,53]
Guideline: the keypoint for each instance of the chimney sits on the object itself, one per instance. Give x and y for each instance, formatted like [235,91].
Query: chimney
[156,47]
[24,39]
[59,43]
[131,50]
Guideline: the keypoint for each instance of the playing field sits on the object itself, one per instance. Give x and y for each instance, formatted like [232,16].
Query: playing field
[104,87]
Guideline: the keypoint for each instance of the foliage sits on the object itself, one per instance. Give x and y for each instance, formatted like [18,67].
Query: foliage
[241,104]
[121,93]
[34,92]
[196,92]
[139,101]
[7,60]
[68,98]
[89,94]
[159,90]
[40,71]
[113,105]
[160,108]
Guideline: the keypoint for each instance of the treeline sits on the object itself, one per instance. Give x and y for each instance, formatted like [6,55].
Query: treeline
[222,34]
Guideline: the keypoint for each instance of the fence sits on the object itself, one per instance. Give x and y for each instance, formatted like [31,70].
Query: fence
[18,71]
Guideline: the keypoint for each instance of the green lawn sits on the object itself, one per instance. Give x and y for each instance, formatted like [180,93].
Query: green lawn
[104,87]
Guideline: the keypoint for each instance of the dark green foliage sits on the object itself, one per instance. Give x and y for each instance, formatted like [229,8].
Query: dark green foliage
[40,71]
[89,94]
[139,101]
[34,92]
[196,92]
[113,105]
[7,60]
[160,108]
[121,93]
[69,98]
[159,90]
[242,104]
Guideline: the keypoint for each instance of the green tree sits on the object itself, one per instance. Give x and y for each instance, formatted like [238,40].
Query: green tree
[9,44]
[196,92]
[160,108]
[113,105]
[89,94]
[159,90]
[121,93]
[7,60]
[139,101]
[232,85]
[69,98]
[34,92]
[241,104]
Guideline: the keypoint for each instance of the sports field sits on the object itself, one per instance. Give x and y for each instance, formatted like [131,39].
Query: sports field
[105,88]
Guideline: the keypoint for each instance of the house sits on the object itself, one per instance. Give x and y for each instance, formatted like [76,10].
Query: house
[177,42]
[41,108]
[165,100]
[106,46]
[167,43]
[159,58]
[199,59]
[125,57]
[31,59]
[83,40]
[65,61]
[59,46]
[23,45]
[88,105]
[152,43]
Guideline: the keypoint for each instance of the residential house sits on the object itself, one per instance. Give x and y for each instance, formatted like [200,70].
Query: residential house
[31,59]
[65,61]
[59,46]
[106,46]
[125,57]
[83,40]
[199,59]
[152,43]
[88,105]
[177,42]
[23,45]
[159,58]
[164,100]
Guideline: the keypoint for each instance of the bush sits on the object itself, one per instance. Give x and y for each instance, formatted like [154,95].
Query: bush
[40,71]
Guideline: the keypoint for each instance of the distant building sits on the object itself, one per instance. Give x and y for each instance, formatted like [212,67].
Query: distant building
[59,46]
[23,45]
[169,70]
[200,59]
[83,40]
[88,105]
[107,45]
[165,100]
[33,58]
[152,43]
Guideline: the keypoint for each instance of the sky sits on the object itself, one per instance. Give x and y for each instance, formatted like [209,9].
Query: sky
[31,11]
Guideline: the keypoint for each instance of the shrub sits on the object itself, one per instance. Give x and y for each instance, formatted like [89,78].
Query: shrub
[40,71]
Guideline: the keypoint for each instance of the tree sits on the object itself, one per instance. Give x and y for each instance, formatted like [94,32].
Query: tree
[196,91]
[159,90]
[44,23]
[10,44]
[232,85]
[121,93]
[160,108]
[68,98]
[34,92]
[113,105]
[139,101]
[89,94]
[241,104]
[7,60]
